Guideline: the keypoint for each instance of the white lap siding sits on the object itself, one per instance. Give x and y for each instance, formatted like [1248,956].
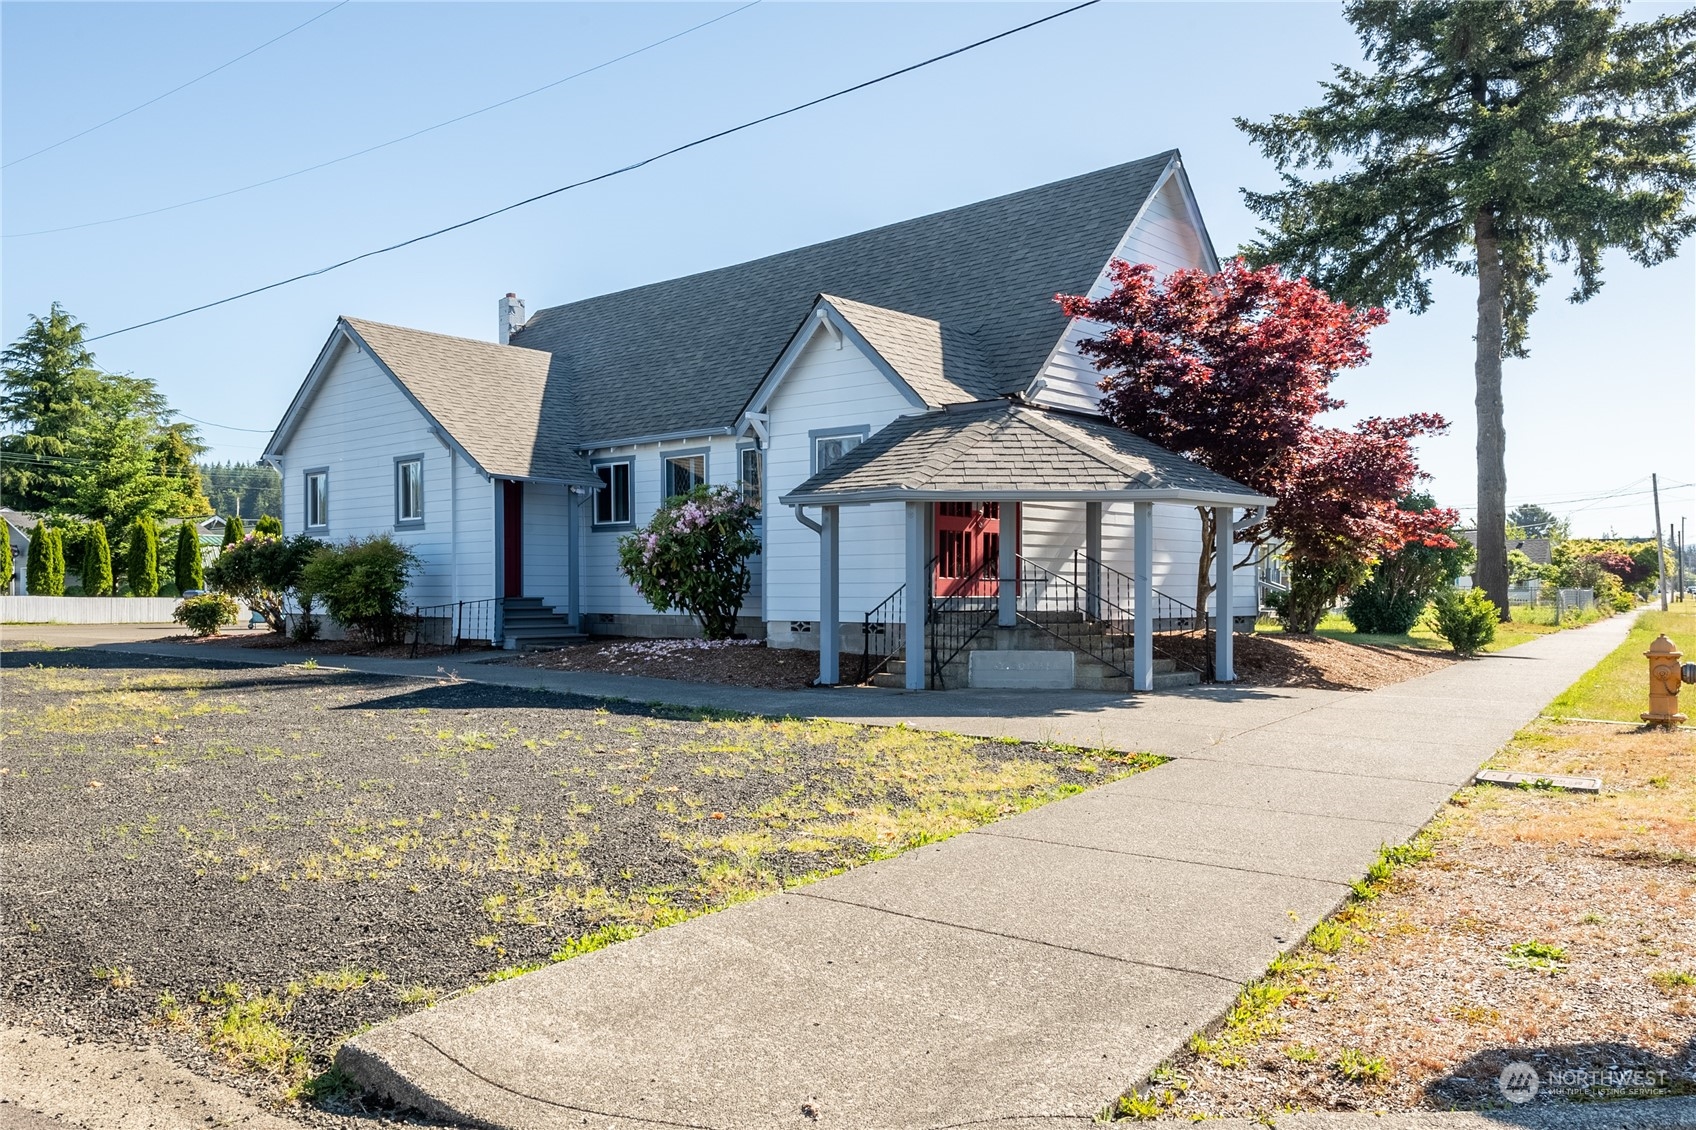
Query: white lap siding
[546,561]
[1053,531]
[1165,236]
[830,387]
[355,427]
[604,589]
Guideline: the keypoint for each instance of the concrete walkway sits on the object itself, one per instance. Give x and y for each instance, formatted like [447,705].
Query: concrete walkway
[1024,972]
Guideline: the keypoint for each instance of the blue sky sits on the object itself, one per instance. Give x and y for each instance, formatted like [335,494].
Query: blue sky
[1608,395]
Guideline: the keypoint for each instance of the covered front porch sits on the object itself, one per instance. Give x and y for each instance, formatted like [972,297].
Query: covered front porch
[966,477]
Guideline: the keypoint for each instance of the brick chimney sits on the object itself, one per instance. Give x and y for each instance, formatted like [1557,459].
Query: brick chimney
[512,317]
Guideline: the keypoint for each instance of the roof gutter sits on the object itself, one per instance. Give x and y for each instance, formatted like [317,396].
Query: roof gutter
[908,494]
[658,437]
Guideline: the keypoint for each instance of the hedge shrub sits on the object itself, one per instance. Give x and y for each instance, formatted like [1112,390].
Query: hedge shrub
[205,614]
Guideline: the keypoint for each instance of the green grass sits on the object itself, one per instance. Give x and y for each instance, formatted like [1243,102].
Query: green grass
[1538,957]
[1527,624]
[1616,687]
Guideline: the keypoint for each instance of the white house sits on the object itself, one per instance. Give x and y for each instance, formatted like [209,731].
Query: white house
[896,401]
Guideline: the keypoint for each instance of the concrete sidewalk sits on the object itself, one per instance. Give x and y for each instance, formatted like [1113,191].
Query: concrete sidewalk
[1027,971]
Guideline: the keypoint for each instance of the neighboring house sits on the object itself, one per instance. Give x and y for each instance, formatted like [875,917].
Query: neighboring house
[895,401]
[22,528]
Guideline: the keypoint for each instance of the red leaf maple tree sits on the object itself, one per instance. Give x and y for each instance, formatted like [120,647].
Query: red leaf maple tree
[1233,370]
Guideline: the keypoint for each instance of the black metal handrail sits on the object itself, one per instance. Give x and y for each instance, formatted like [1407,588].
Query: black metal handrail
[454,625]
[953,621]
[885,634]
[1092,607]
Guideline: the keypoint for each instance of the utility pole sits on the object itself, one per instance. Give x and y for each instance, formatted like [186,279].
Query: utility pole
[1660,549]
[1681,559]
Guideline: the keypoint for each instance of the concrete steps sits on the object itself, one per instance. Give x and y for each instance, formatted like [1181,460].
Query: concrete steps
[530,625]
[1089,674]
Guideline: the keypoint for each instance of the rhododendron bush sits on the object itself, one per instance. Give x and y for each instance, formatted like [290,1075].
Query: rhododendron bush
[693,557]
[1233,370]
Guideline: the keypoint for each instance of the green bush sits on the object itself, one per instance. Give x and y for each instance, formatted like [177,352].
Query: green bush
[6,557]
[186,570]
[96,562]
[263,573]
[693,556]
[269,524]
[204,615]
[1465,618]
[1314,588]
[233,530]
[1374,609]
[361,584]
[45,564]
[142,559]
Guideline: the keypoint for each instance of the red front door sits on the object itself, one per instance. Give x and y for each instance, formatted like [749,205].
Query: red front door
[512,537]
[968,548]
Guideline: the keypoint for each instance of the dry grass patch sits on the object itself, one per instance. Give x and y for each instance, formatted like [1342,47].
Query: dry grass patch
[1551,927]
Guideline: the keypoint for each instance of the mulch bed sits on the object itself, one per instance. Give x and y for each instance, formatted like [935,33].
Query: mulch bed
[339,848]
[736,663]
[265,640]
[1282,660]
[1264,661]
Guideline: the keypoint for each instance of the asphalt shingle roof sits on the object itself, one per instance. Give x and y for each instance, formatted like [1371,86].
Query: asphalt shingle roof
[687,353]
[1006,449]
[943,364]
[497,402]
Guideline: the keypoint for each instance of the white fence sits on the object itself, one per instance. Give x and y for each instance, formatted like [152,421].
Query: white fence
[87,609]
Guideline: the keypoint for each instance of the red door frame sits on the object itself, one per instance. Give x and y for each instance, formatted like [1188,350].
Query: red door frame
[512,537]
[968,535]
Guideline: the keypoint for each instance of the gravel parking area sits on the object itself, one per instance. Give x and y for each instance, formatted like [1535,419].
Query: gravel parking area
[249,863]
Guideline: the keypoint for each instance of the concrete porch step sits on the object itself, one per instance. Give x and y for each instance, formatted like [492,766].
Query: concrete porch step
[1089,674]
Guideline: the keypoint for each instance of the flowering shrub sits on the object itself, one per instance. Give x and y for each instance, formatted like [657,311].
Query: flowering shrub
[693,556]
[262,572]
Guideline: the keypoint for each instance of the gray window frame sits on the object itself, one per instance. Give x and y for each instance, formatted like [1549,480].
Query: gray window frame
[629,465]
[862,431]
[306,478]
[743,449]
[409,523]
[683,453]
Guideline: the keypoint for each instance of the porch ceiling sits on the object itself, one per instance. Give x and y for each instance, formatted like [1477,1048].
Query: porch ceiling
[1009,450]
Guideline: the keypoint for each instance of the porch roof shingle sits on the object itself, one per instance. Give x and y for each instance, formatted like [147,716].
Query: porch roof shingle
[1006,449]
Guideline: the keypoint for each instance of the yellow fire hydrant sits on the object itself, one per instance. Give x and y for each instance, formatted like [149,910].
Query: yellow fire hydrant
[1665,676]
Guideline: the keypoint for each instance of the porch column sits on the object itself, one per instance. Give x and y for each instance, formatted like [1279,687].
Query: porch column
[1142,626]
[830,595]
[573,556]
[1224,636]
[918,546]
[1007,588]
[1092,568]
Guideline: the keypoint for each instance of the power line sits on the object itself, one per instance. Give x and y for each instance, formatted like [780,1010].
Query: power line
[391,141]
[632,167]
[226,427]
[174,89]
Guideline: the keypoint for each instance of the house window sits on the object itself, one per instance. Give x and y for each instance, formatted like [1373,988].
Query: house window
[828,447]
[317,499]
[683,473]
[612,500]
[748,475]
[409,490]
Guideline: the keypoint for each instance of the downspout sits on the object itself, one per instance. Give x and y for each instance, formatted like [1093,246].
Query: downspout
[801,517]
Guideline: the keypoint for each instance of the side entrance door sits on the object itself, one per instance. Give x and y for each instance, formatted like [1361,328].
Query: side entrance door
[968,539]
[512,537]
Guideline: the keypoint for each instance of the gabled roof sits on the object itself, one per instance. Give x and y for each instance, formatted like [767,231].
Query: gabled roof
[494,402]
[943,364]
[1006,449]
[686,354]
